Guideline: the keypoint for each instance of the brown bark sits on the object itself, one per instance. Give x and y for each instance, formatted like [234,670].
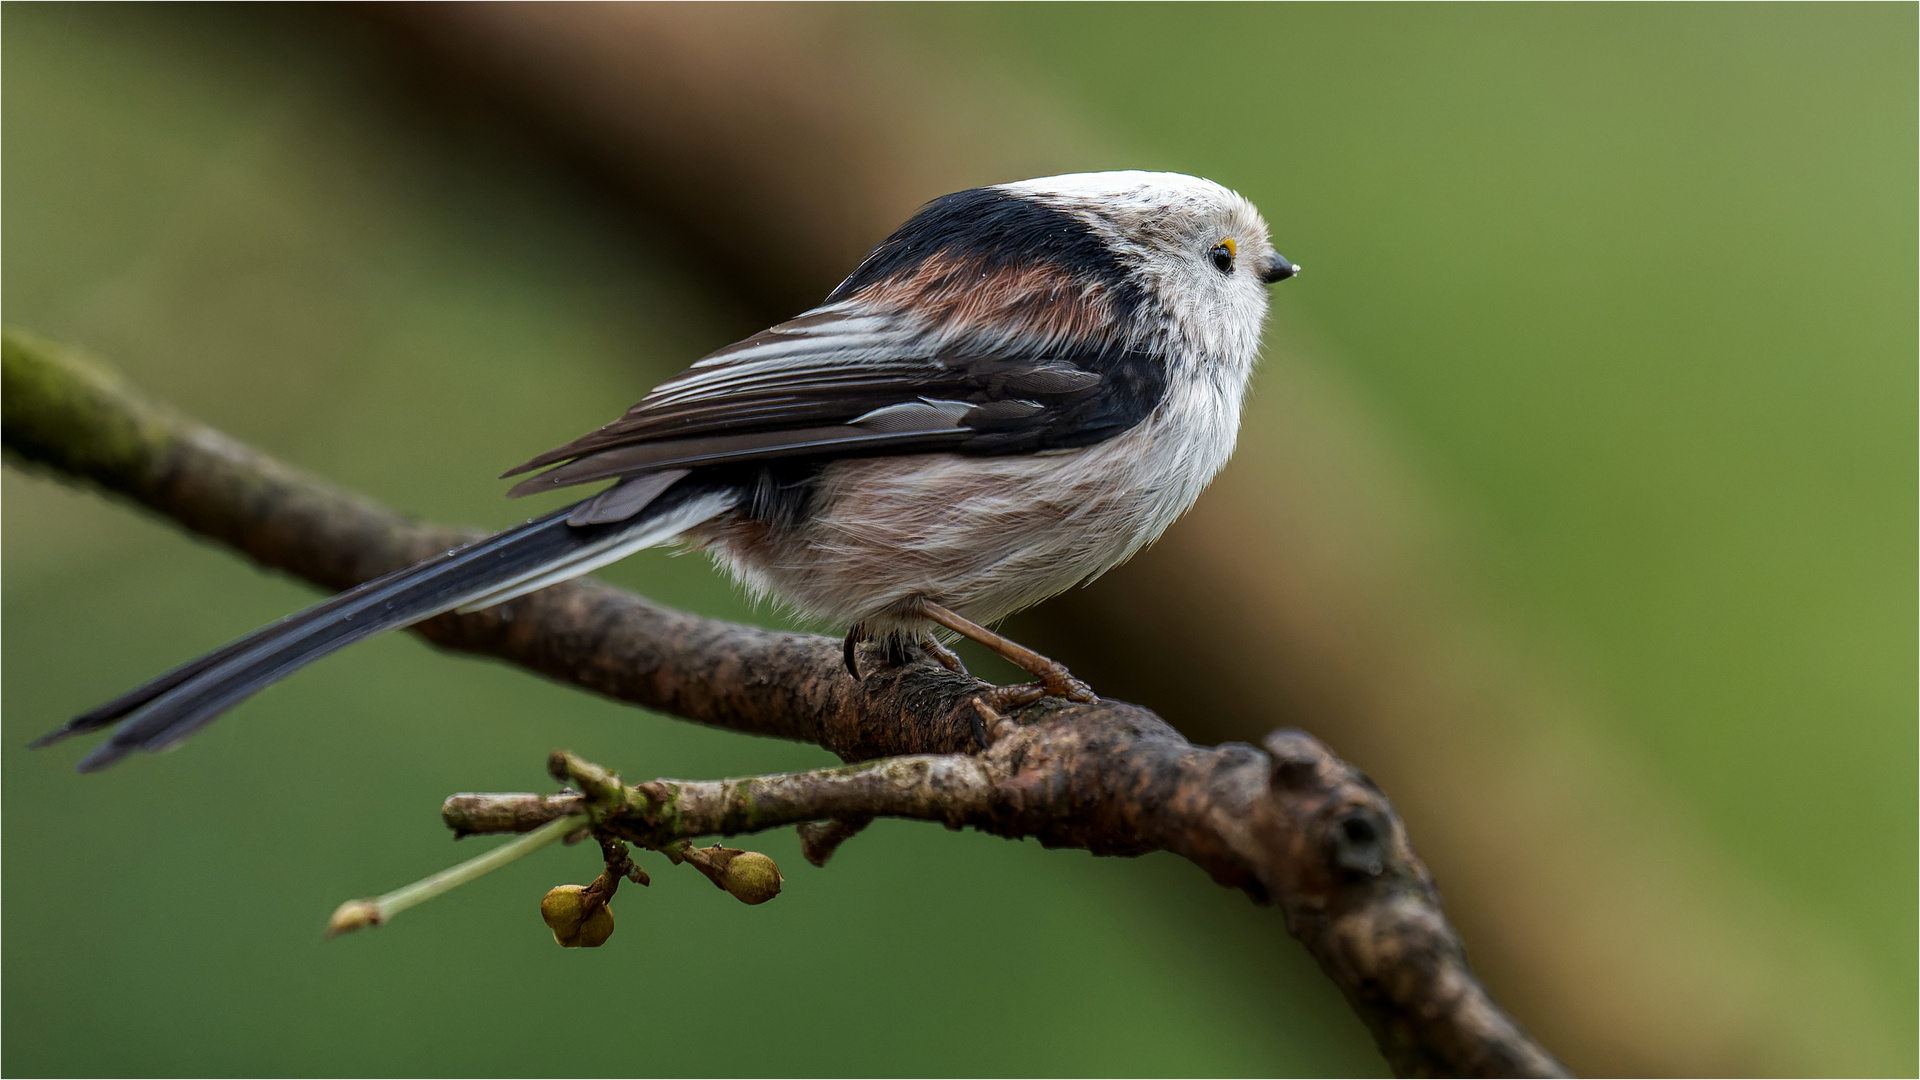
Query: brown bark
[1292,825]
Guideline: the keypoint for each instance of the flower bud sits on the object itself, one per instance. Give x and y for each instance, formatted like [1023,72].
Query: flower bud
[597,929]
[564,909]
[751,877]
[353,915]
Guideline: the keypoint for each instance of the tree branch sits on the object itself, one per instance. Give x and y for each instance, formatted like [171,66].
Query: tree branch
[1292,826]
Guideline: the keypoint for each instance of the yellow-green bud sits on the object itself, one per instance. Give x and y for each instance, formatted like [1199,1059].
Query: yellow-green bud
[353,915]
[597,929]
[562,910]
[751,877]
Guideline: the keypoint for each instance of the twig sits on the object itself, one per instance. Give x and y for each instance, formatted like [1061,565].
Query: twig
[355,914]
[1292,826]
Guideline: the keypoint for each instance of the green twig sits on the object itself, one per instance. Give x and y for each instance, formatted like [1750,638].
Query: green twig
[355,914]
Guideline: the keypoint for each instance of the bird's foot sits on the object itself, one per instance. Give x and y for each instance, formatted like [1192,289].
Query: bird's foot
[947,657]
[1055,681]
[898,651]
[1061,684]
[1054,678]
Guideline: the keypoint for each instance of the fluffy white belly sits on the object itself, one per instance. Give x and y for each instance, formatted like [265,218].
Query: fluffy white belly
[984,536]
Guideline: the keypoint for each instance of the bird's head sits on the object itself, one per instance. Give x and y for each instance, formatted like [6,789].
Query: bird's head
[1129,254]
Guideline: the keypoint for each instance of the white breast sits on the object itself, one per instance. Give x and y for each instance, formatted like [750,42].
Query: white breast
[987,536]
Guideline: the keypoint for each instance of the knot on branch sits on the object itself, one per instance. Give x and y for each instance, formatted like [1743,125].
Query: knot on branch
[820,839]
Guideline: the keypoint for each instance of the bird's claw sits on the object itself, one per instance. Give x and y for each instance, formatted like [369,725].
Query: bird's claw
[1060,684]
[850,650]
[1003,698]
[1055,681]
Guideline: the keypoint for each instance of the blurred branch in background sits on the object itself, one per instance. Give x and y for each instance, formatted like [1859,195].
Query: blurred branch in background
[1293,826]
[779,143]
[800,135]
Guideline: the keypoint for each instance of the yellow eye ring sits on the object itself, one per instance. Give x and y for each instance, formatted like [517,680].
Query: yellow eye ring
[1223,255]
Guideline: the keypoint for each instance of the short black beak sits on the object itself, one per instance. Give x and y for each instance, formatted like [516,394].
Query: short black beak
[1278,269]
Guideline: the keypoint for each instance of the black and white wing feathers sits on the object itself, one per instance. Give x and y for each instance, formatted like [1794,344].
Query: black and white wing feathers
[844,381]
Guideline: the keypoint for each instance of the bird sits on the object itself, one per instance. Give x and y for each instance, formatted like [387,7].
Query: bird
[1016,391]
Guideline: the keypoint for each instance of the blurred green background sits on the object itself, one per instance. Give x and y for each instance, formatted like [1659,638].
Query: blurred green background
[1632,289]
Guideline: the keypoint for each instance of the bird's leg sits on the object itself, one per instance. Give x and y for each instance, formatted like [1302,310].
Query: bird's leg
[1055,680]
[947,657]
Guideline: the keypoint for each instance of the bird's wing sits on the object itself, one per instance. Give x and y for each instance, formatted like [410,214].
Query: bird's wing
[843,381]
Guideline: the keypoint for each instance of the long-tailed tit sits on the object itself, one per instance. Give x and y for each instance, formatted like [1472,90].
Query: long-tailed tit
[1011,395]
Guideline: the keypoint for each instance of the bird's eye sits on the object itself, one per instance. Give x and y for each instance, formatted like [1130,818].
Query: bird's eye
[1222,255]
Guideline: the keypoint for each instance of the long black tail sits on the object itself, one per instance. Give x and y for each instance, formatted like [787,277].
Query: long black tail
[491,571]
